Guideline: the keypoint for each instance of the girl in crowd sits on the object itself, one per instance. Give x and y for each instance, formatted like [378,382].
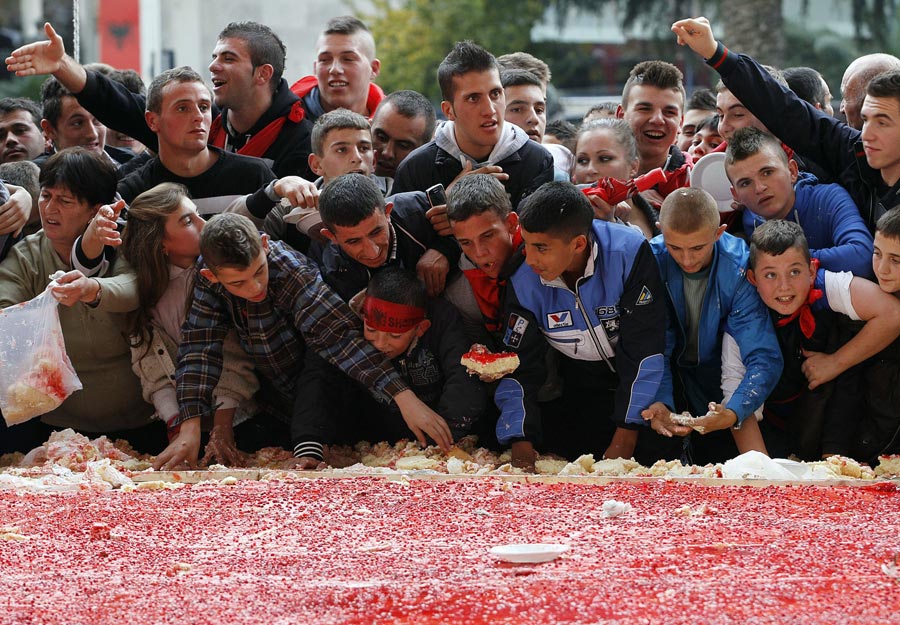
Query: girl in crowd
[74,184]
[162,241]
[605,148]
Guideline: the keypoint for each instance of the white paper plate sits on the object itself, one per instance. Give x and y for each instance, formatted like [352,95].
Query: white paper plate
[534,552]
[709,174]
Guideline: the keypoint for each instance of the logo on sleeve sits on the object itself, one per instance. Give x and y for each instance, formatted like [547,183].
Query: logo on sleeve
[646,297]
[515,330]
[609,317]
[562,319]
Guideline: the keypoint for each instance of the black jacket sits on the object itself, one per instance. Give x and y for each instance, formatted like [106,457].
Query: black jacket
[119,108]
[830,143]
[230,177]
[528,168]
[411,236]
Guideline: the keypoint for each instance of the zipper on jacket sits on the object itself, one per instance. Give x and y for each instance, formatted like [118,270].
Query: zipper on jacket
[590,326]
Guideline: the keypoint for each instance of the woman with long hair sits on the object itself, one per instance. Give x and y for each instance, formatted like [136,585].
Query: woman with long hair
[75,185]
[162,241]
[605,148]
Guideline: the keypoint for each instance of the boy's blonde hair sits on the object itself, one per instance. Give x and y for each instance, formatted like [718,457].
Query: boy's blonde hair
[688,210]
[230,241]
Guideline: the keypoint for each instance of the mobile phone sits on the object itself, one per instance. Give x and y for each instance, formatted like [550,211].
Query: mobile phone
[436,195]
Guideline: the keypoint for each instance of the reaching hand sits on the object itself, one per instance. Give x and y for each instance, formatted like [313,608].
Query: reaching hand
[74,287]
[298,191]
[222,448]
[659,416]
[41,57]
[433,268]
[102,230]
[15,211]
[423,421]
[720,418]
[696,33]
[184,449]
[303,464]
[820,368]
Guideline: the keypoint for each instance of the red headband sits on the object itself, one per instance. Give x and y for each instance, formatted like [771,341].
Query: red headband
[387,316]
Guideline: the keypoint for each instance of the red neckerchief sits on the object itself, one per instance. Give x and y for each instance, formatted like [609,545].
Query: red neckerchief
[487,291]
[259,143]
[807,320]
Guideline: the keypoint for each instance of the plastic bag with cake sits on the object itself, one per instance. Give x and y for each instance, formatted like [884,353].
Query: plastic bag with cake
[36,375]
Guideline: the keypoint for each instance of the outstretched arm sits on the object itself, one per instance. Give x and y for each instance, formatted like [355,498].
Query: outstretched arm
[48,57]
[880,311]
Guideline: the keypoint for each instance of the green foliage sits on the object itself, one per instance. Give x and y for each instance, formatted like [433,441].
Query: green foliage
[415,35]
[22,87]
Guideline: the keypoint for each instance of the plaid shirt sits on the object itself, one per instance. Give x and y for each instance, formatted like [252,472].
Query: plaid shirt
[299,310]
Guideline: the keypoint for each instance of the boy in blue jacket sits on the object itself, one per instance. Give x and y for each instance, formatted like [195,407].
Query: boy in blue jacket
[702,268]
[593,290]
[771,187]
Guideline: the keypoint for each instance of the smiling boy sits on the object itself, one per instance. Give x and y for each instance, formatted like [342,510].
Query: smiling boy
[343,71]
[653,105]
[770,186]
[805,415]
[279,306]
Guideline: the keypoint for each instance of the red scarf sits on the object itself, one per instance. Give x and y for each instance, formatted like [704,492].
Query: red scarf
[807,320]
[259,143]
[487,291]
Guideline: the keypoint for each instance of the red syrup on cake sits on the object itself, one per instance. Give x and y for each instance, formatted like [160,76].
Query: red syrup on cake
[481,361]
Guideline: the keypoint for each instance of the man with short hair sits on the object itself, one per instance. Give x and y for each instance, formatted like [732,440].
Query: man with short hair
[369,232]
[653,105]
[402,122]
[529,63]
[700,105]
[21,138]
[260,116]
[526,107]
[810,86]
[770,186]
[476,138]
[857,77]
[526,104]
[179,112]
[67,124]
[865,163]
[343,71]
[733,115]
[593,289]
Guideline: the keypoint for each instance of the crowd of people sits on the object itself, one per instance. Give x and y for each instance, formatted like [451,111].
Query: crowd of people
[267,263]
